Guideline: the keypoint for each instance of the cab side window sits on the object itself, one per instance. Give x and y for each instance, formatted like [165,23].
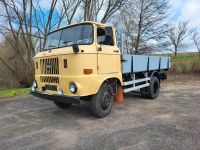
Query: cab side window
[103,39]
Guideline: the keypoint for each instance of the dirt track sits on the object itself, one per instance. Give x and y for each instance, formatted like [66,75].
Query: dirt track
[170,122]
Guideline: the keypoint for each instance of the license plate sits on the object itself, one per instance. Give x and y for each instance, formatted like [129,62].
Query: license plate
[51,87]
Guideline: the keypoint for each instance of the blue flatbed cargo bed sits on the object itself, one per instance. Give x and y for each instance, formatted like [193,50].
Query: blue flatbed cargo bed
[142,63]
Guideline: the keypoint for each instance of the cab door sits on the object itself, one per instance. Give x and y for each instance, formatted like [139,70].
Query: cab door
[108,58]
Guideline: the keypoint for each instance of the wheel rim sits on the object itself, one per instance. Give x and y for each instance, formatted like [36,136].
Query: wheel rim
[106,101]
[155,88]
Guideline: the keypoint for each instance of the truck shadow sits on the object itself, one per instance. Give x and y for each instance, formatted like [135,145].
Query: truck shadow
[133,95]
[76,110]
[84,108]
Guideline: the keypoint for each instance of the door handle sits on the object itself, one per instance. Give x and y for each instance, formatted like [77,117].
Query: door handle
[116,51]
[99,49]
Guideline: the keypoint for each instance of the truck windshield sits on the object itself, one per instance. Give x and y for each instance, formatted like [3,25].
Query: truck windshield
[79,34]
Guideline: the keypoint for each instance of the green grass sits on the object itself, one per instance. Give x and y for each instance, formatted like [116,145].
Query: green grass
[14,92]
[184,57]
[185,63]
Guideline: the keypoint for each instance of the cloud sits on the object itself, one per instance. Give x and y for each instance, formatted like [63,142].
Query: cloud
[186,10]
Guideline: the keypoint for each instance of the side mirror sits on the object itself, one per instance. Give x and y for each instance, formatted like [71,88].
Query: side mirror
[109,31]
[75,48]
[109,36]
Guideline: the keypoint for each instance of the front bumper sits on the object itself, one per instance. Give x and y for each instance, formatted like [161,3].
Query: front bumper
[57,98]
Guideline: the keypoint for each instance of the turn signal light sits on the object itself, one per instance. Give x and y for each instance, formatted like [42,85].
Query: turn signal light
[87,71]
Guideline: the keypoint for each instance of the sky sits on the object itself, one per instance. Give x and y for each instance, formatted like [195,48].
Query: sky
[186,10]
[181,10]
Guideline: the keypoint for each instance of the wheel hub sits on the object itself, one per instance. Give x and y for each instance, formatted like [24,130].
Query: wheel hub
[155,88]
[106,100]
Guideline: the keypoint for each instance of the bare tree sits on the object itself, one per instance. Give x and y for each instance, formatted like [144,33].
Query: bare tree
[70,9]
[23,24]
[16,28]
[144,22]
[196,40]
[101,10]
[176,36]
[43,20]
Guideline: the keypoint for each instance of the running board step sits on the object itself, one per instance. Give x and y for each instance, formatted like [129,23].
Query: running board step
[136,81]
[135,88]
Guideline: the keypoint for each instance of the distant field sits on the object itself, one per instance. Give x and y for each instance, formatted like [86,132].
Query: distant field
[184,57]
[185,63]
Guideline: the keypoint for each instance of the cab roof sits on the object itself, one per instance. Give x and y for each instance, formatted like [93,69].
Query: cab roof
[92,22]
[84,22]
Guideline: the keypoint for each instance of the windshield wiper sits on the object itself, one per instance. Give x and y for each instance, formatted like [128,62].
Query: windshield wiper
[51,46]
[65,42]
[68,43]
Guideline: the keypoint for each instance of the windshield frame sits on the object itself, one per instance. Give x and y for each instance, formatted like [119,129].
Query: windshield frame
[92,42]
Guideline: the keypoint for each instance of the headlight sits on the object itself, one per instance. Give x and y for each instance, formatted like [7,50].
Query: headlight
[73,87]
[34,84]
[33,89]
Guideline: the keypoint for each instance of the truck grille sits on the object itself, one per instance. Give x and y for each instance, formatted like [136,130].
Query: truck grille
[49,66]
[49,79]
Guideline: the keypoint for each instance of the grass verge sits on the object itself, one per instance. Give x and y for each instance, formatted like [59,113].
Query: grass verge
[185,63]
[14,92]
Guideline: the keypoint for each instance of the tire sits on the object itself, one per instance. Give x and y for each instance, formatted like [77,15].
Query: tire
[62,105]
[154,89]
[102,102]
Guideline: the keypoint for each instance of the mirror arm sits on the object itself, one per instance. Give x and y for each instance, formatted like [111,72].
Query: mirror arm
[99,48]
[75,48]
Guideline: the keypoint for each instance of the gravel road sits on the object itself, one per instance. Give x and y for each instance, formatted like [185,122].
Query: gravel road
[170,122]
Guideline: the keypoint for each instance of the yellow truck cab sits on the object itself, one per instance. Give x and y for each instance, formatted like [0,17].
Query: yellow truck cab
[83,62]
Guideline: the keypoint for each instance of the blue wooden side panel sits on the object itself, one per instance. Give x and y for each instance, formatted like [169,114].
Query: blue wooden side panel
[154,62]
[169,62]
[126,63]
[140,63]
[164,62]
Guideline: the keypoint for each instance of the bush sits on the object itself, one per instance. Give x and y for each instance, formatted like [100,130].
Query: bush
[16,65]
[196,67]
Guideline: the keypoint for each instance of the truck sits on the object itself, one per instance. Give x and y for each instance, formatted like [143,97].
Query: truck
[84,61]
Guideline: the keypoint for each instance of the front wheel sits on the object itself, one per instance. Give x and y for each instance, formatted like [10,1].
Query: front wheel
[102,102]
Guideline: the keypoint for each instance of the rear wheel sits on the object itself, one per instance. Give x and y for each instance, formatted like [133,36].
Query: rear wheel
[62,104]
[102,102]
[154,88]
